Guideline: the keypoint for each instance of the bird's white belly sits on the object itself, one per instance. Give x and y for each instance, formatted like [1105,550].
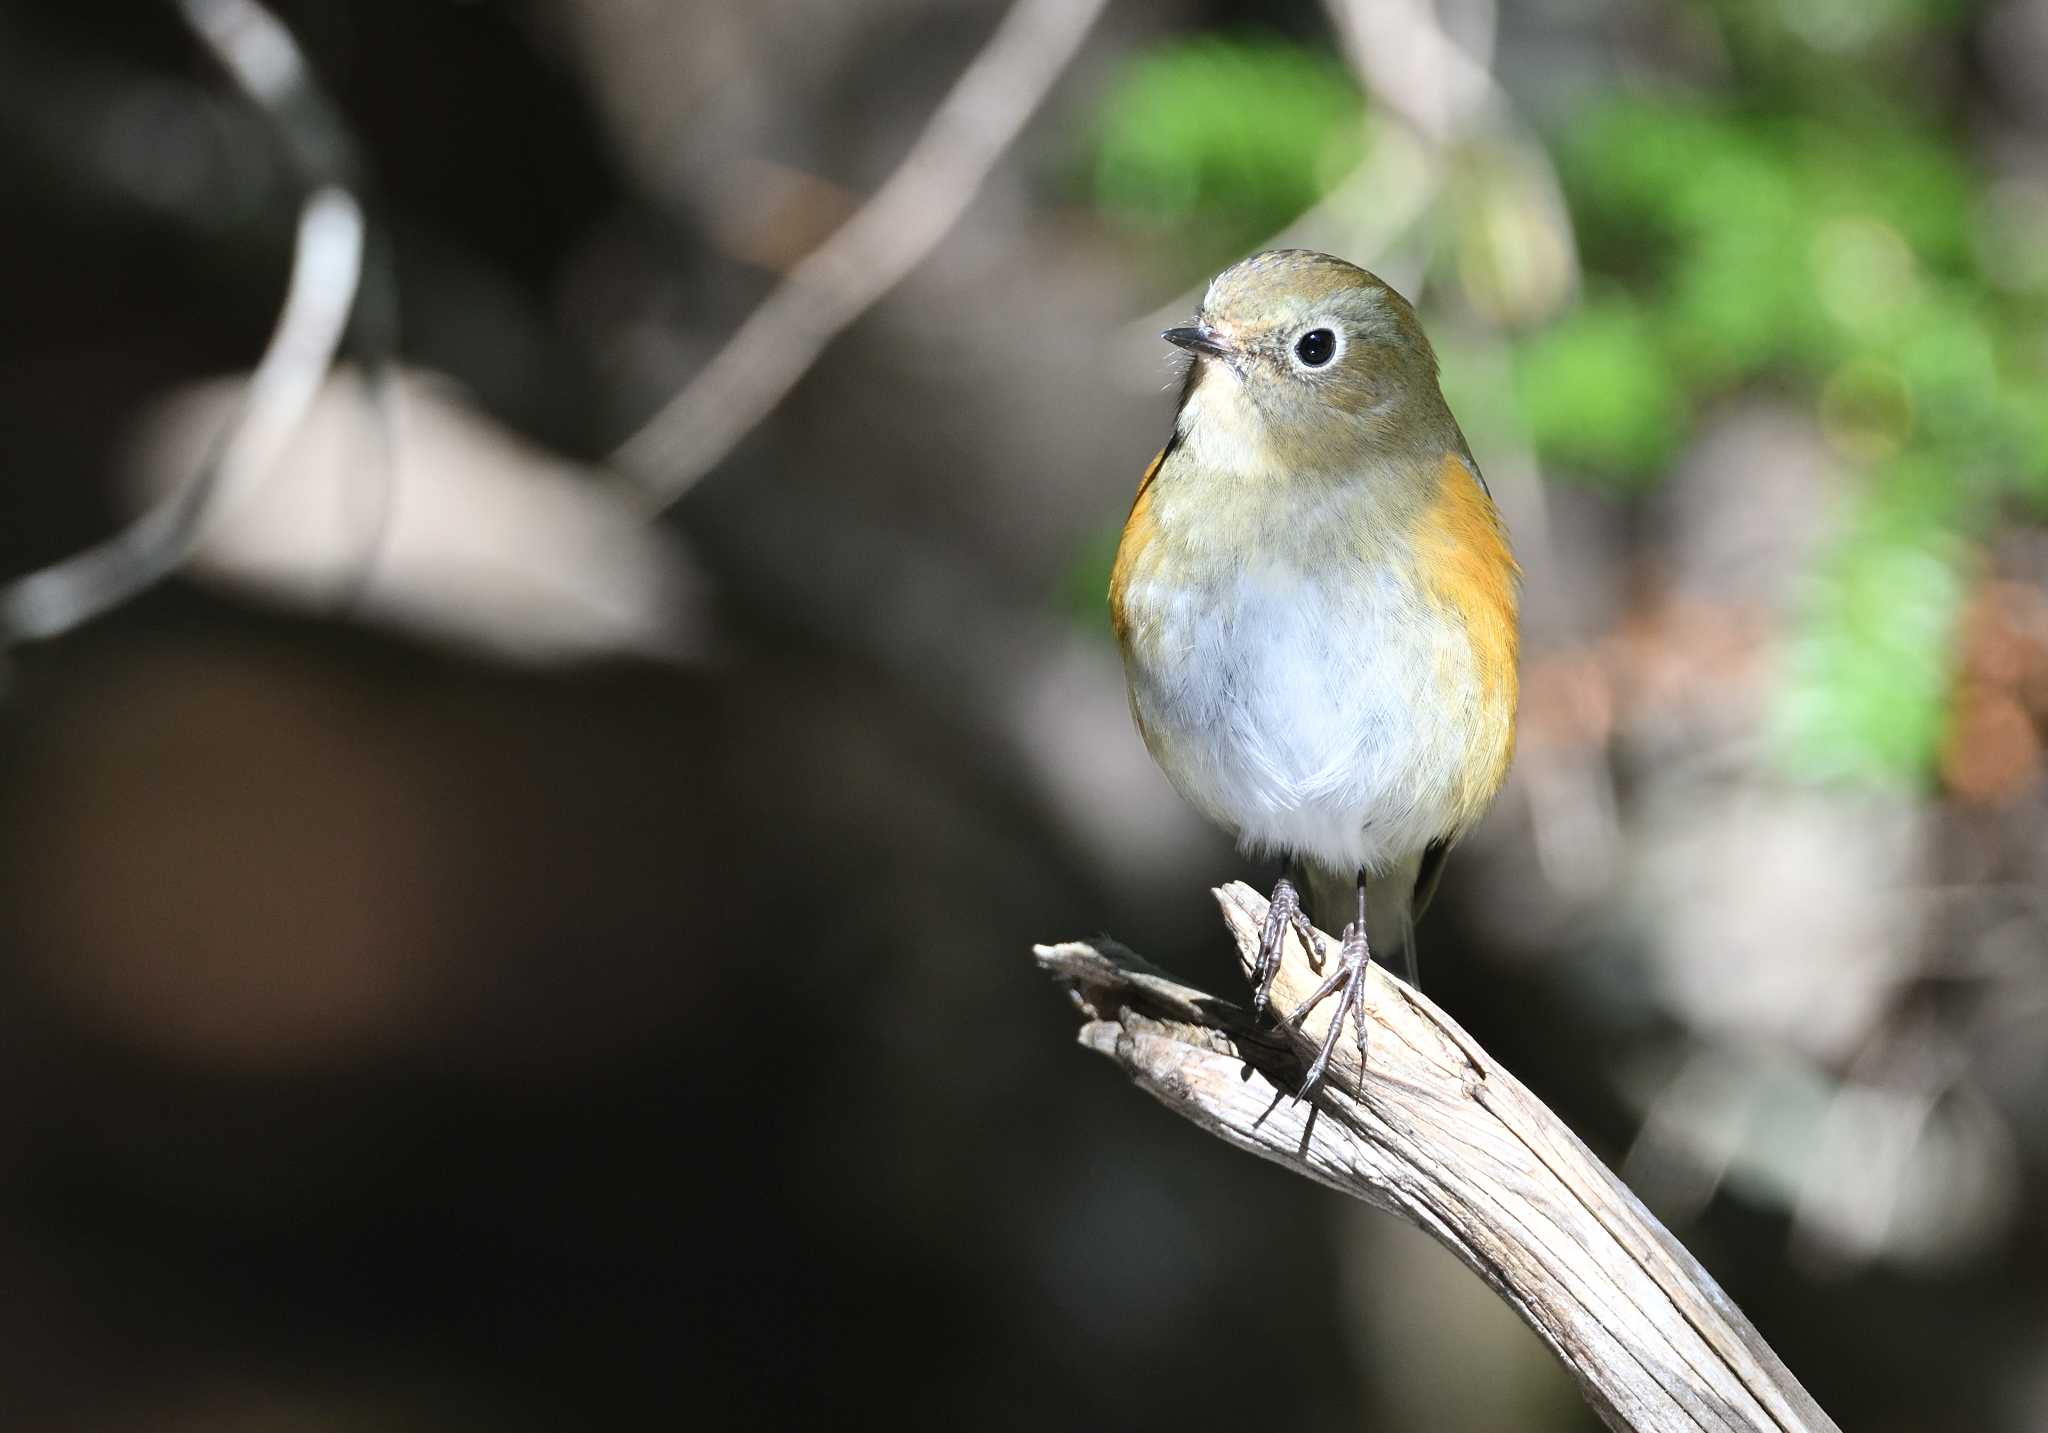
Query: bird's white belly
[1311,721]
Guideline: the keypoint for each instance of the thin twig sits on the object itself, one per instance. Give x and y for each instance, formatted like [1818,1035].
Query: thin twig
[327,265]
[865,257]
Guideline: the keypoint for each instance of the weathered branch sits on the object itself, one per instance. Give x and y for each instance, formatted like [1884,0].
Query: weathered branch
[1435,1131]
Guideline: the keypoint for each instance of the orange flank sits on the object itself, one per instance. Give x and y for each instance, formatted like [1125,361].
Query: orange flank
[1151,471]
[1138,531]
[1467,568]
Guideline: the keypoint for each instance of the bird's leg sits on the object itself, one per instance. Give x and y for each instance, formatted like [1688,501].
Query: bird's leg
[1347,982]
[1282,912]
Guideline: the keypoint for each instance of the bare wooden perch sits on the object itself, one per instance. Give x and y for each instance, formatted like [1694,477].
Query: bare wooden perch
[1435,1131]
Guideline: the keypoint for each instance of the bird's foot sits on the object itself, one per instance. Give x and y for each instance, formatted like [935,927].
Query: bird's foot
[1283,912]
[1347,982]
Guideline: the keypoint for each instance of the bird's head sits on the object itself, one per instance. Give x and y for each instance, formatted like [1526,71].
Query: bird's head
[1301,361]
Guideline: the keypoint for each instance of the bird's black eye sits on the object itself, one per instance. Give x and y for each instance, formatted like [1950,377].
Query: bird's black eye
[1316,347]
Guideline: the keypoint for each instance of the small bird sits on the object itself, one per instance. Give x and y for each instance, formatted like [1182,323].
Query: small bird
[1317,607]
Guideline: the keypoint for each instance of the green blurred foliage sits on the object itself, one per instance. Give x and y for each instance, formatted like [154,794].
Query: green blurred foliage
[1803,228]
[1599,392]
[1083,586]
[1219,141]
[1840,257]
[1865,694]
[1807,228]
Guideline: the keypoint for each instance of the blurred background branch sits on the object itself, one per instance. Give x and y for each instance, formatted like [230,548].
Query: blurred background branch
[260,55]
[325,267]
[866,256]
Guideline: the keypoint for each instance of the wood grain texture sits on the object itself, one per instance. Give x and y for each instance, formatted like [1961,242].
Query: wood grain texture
[1434,1131]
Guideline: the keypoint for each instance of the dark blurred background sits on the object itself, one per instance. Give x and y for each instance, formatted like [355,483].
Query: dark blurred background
[471,956]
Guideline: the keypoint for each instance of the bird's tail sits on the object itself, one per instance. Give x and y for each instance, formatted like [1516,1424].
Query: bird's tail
[1390,910]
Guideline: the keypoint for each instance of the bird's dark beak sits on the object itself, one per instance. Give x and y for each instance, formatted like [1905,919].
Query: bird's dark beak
[1199,339]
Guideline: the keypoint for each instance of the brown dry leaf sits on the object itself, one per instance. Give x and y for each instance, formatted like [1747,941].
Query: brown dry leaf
[1993,752]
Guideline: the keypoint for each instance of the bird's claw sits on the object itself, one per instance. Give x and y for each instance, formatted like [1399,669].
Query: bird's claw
[1347,983]
[1282,914]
